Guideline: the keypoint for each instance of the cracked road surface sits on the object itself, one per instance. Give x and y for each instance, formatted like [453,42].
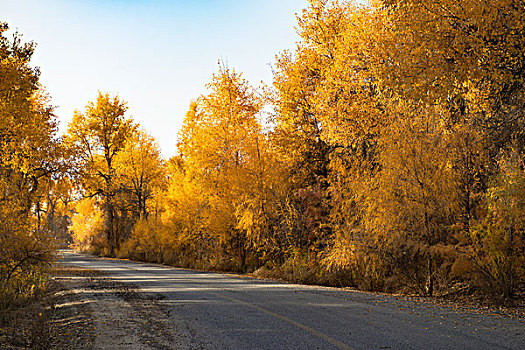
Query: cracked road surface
[147,306]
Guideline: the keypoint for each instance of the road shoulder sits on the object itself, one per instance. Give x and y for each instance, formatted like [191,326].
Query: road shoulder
[113,315]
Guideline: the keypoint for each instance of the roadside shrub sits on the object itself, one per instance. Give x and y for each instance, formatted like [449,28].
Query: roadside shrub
[25,257]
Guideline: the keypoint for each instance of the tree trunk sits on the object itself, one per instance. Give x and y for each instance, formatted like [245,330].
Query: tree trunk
[430,282]
[109,227]
[509,288]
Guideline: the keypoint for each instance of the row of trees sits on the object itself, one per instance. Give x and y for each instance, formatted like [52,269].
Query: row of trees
[393,158]
[410,116]
[394,154]
[117,170]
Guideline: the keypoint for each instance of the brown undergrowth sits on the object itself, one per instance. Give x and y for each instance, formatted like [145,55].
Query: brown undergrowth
[51,319]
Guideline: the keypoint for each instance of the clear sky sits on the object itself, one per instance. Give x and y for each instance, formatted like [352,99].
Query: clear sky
[156,54]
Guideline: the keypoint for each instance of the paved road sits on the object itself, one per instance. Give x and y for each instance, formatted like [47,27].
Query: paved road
[215,311]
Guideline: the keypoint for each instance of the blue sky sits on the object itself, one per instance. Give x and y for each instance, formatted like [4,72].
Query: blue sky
[156,54]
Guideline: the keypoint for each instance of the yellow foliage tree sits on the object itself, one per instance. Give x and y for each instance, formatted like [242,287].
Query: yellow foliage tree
[29,156]
[226,161]
[141,172]
[87,225]
[96,137]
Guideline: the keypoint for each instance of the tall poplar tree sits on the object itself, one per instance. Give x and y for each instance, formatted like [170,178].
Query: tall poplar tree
[96,137]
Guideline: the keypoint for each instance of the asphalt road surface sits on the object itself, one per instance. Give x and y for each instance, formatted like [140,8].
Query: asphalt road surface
[215,311]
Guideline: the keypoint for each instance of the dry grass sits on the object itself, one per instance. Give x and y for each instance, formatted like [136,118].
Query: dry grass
[26,326]
[37,324]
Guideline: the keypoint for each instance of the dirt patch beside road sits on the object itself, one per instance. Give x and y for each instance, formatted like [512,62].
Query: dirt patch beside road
[72,324]
[95,312]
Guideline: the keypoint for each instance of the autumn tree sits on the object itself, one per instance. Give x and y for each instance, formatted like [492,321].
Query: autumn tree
[140,170]
[97,136]
[495,244]
[87,225]
[29,157]
[226,161]
[299,134]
